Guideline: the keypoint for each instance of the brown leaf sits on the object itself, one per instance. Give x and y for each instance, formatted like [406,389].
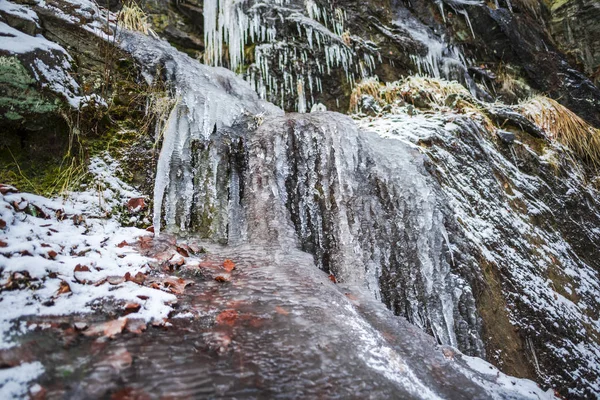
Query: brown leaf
[131,307]
[332,278]
[228,265]
[142,297]
[52,254]
[136,204]
[176,261]
[139,278]
[3,243]
[119,360]
[145,242]
[2,224]
[80,326]
[37,392]
[81,268]
[109,329]
[183,250]
[4,189]
[63,288]
[115,279]
[221,279]
[281,310]
[227,317]
[136,325]
[351,297]
[176,285]
[150,229]
[123,244]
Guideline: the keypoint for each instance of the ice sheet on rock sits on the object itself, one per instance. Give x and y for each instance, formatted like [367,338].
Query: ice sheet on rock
[362,205]
[502,211]
[210,100]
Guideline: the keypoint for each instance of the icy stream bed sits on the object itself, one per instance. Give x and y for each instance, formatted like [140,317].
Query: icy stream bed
[274,326]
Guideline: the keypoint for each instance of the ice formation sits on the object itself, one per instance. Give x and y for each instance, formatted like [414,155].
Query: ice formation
[288,63]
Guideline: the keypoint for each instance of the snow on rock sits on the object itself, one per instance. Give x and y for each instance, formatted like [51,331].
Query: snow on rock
[508,206]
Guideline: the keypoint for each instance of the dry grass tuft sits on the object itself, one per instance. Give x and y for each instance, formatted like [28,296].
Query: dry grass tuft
[133,18]
[432,90]
[564,126]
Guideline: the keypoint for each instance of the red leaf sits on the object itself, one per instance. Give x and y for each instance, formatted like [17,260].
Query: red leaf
[136,204]
[183,250]
[81,268]
[139,278]
[332,278]
[227,317]
[176,285]
[229,265]
[281,310]
[109,329]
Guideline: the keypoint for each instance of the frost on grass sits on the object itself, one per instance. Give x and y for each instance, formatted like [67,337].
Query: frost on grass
[61,257]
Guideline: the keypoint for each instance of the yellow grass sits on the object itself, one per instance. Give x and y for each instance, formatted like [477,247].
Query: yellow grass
[133,18]
[564,126]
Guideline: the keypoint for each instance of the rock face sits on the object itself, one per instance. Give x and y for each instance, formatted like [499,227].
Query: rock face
[574,26]
[463,217]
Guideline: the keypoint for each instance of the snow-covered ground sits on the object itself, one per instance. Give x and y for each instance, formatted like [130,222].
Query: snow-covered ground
[66,256]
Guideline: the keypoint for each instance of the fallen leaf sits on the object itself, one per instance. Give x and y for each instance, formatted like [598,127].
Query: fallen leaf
[37,392]
[221,279]
[351,297]
[109,329]
[139,278]
[136,205]
[142,297]
[136,325]
[332,278]
[150,229]
[281,310]
[115,279]
[122,244]
[3,244]
[229,265]
[119,360]
[2,224]
[132,307]
[81,268]
[227,317]
[63,288]
[80,326]
[176,285]
[183,250]
[4,189]
[52,254]
[176,261]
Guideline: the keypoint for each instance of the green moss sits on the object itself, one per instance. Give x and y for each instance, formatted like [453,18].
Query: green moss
[18,94]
